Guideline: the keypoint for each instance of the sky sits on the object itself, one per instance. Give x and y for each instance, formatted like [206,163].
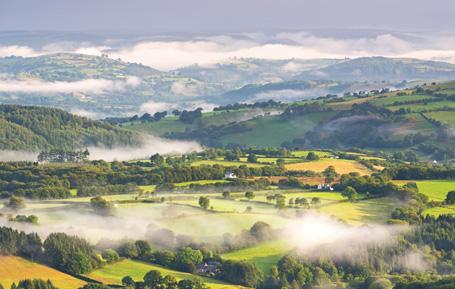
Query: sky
[170,34]
[217,16]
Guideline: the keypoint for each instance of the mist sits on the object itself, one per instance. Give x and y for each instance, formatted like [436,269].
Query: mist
[149,146]
[95,86]
[314,235]
[16,156]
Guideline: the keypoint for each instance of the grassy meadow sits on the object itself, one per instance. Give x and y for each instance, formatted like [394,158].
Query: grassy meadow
[436,190]
[113,274]
[14,269]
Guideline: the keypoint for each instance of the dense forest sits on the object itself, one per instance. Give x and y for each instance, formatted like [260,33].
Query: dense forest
[38,128]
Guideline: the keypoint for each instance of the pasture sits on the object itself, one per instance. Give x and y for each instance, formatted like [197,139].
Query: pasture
[436,211]
[14,269]
[113,274]
[264,255]
[341,166]
[436,190]
[361,212]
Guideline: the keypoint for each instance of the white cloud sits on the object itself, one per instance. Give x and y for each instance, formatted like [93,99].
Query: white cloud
[16,50]
[208,50]
[153,106]
[95,86]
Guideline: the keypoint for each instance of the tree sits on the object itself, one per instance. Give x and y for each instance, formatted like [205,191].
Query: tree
[249,195]
[101,206]
[450,198]
[350,193]
[157,159]
[186,259]
[110,255]
[252,158]
[204,202]
[261,231]
[153,279]
[226,194]
[15,203]
[128,250]
[281,202]
[127,281]
[315,201]
[143,248]
[330,174]
[311,156]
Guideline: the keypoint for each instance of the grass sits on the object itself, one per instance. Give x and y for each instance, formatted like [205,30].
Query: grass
[201,182]
[446,117]
[273,131]
[233,206]
[341,166]
[214,225]
[436,211]
[113,274]
[264,255]
[226,163]
[361,212]
[436,190]
[304,153]
[13,269]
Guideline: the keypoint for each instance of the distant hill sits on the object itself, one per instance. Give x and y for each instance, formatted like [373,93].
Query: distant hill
[113,87]
[382,69]
[37,128]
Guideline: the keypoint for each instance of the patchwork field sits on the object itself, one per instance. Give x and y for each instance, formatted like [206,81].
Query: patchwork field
[264,255]
[113,274]
[361,212]
[436,190]
[436,211]
[13,269]
[226,163]
[341,166]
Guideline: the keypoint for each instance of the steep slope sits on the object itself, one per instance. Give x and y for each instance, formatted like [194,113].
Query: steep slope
[35,128]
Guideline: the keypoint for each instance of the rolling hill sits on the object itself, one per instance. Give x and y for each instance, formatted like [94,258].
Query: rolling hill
[418,119]
[36,128]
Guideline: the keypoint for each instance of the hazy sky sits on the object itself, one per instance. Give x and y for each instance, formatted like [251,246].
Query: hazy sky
[225,16]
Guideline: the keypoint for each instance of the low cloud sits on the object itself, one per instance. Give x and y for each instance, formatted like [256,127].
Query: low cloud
[95,86]
[154,106]
[149,146]
[16,156]
[314,232]
[208,50]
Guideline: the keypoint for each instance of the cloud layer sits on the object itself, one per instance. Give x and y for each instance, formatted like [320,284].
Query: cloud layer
[95,86]
[175,53]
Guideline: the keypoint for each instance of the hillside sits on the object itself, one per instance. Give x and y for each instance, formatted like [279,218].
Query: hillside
[36,128]
[420,119]
[383,69]
[99,86]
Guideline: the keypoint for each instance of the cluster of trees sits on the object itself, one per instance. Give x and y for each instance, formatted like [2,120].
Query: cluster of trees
[154,279]
[259,104]
[69,254]
[62,156]
[305,109]
[190,116]
[31,219]
[98,177]
[87,191]
[39,128]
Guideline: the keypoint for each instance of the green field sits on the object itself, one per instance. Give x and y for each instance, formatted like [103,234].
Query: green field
[113,274]
[264,255]
[446,117]
[260,134]
[436,190]
[214,225]
[202,182]
[361,212]
[436,211]
[304,153]
[14,269]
